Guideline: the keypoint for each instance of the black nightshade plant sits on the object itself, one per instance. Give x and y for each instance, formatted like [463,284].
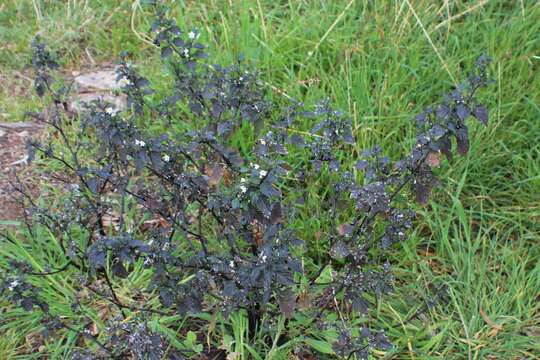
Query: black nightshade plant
[161,185]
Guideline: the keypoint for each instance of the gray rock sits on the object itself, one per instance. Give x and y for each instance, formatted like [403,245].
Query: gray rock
[97,80]
[19,126]
[80,102]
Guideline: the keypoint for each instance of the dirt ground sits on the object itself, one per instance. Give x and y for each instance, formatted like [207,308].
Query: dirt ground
[14,167]
[89,85]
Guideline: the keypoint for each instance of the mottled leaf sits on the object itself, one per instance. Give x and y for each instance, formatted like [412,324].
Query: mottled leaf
[433,159]
[287,303]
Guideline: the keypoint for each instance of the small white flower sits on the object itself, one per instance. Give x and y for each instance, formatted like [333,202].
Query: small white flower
[192,35]
[140,143]
[186,52]
[262,141]
[256,166]
[240,78]
[166,158]
[263,258]
[243,188]
[124,81]
[231,264]
[111,111]
[13,284]
[263,173]
[242,180]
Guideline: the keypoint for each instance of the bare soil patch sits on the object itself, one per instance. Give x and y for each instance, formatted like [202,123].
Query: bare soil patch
[13,165]
[90,85]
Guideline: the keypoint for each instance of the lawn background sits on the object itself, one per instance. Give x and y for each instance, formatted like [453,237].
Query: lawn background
[381,61]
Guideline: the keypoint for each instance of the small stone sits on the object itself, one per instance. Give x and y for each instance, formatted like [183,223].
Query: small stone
[100,80]
[81,101]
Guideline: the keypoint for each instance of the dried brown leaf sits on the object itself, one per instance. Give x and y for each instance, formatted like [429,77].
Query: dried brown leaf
[433,159]
[496,328]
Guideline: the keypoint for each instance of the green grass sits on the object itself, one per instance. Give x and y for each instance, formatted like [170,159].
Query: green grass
[381,63]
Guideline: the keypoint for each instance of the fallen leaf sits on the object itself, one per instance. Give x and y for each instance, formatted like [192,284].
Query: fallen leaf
[287,303]
[495,327]
[345,229]
[93,329]
[304,301]
[214,173]
[109,220]
[155,223]
[433,159]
